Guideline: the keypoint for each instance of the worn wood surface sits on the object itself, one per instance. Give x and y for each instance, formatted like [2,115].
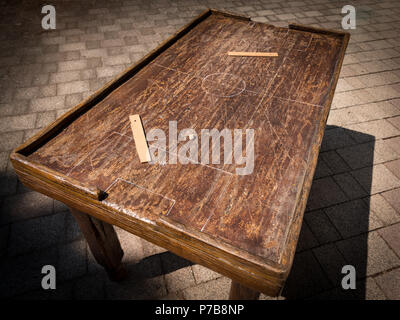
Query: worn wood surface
[204,212]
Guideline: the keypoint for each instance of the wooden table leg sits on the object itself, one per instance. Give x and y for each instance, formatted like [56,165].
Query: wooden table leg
[240,292]
[104,244]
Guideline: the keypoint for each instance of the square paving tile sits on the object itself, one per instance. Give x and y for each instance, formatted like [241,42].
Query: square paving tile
[368,253]
[394,167]
[382,209]
[391,235]
[376,179]
[393,197]
[321,226]
[352,218]
[325,192]
[390,284]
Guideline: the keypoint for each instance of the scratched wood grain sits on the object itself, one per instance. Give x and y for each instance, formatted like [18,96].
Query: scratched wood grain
[195,83]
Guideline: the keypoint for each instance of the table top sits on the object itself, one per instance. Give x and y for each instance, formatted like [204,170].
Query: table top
[190,79]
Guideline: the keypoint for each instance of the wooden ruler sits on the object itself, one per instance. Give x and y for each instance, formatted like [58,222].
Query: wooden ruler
[252,54]
[140,138]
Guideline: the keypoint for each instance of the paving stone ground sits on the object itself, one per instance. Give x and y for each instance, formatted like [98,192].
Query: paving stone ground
[353,214]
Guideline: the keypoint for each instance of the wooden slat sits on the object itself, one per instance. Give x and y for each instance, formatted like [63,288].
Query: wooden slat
[140,138]
[252,54]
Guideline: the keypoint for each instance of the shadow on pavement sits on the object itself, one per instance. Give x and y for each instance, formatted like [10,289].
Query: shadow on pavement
[337,220]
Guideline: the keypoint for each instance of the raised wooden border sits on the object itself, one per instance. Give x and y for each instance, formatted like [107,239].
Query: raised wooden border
[252,271]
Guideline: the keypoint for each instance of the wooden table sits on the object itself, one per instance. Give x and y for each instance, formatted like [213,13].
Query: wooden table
[243,226]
